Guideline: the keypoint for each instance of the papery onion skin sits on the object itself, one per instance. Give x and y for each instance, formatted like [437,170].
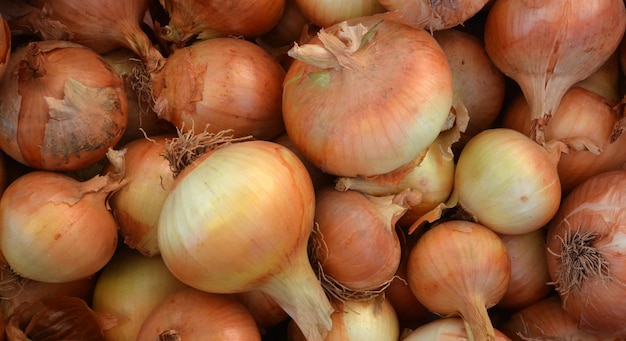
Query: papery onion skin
[548,46]
[460,268]
[585,248]
[380,115]
[210,19]
[507,182]
[211,239]
[445,329]
[329,12]
[63,106]
[227,83]
[581,114]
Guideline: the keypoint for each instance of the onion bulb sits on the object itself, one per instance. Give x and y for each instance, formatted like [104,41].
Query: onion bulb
[263,308]
[358,320]
[506,181]
[56,229]
[101,25]
[605,81]
[62,106]
[546,320]
[460,268]
[329,12]
[5,45]
[581,114]
[548,46]
[239,218]
[585,253]
[204,19]
[432,15]
[191,314]
[128,288]
[366,96]
[445,329]
[221,84]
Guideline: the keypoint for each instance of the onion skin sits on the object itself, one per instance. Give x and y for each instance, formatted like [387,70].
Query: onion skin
[190,314]
[585,249]
[211,19]
[432,15]
[63,106]
[227,83]
[548,46]
[330,113]
[581,114]
[328,12]
[460,268]
[507,182]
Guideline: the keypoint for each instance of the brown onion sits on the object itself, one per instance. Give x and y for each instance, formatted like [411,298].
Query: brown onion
[5,45]
[581,116]
[264,309]
[329,12]
[432,15]
[606,80]
[548,46]
[585,249]
[445,329]
[204,19]
[191,314]
[62,106]
[220,84]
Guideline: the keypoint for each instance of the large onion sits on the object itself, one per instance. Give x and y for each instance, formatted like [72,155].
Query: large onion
[366,96]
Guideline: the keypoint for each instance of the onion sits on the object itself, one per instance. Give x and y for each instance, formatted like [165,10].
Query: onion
[56,229]
[445,329]
[581,114]
[128,288]
[137,205]
[5,45]
[63,106]
[263,308]
[288,28]
[329,12]
[209,19]
[479,86]
[225,83]
[585,248]
[548,46]
[355,244]
[101,25]
[358,320]
[460,268]
[190,314]
[366,97]
[546,320]
[605,81]
[529,270]
[239,218]
[506,181]
[432,15]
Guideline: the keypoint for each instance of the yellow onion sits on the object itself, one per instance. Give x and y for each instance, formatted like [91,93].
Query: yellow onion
[366,96]
[128,288]
[460,268]
[432,15]
[56,229]
[445,329]
[548,46]
[263,308]
[225,83]
[5,45]
[62,106]
[191,314]
[585,249]
[239,218]
[209,19]
[328,12]
[102,25]
[606,80]
[582,115]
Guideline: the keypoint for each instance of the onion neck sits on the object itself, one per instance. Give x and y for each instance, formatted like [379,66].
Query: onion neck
[477,322]
[299,293]
[35,60]
[170,335]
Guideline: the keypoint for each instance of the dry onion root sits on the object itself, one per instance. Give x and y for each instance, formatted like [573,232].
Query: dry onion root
[585,249]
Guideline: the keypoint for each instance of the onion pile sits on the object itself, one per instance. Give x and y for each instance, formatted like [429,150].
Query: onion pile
[302,170]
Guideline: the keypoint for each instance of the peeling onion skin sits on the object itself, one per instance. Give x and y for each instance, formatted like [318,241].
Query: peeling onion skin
[379,115]
[62,106]
[588,233]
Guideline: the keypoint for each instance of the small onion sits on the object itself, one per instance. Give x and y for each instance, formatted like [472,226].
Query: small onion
[606,80]
[548,46]
[585,249]
[329,12]
[263,308]
[432,15]
[366,96]
[460,268]
[239,218]
[225,83]
[190,314]
[62,106]
[56,229]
